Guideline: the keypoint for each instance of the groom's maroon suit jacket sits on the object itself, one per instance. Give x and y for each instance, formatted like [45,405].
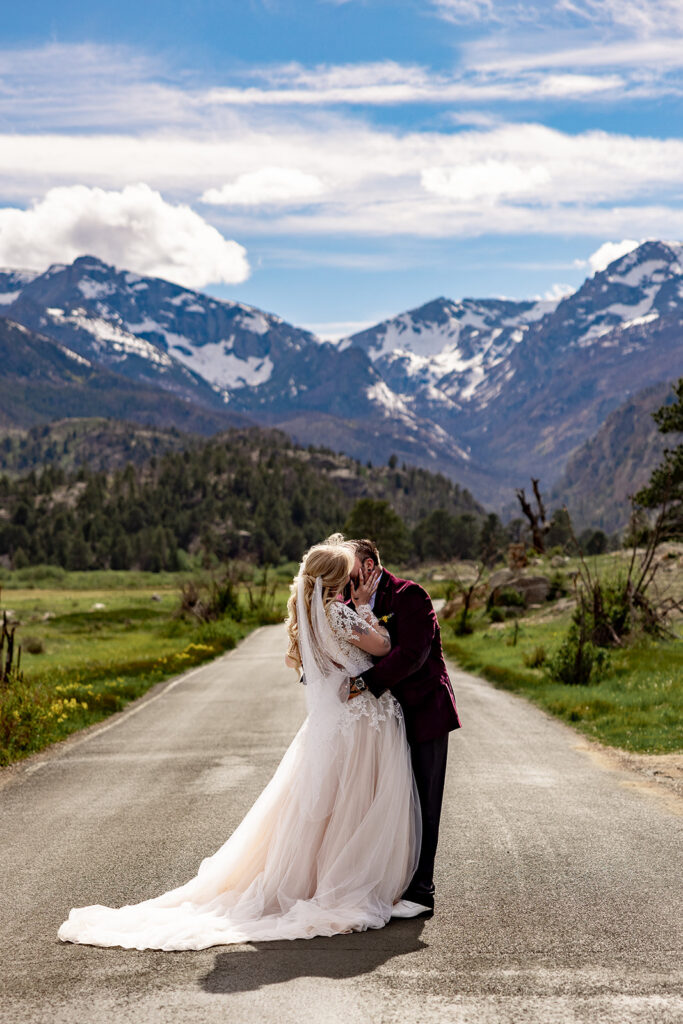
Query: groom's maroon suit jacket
[414,670]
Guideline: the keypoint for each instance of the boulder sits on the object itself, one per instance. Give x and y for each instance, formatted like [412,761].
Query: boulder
[501,578]
[534,589]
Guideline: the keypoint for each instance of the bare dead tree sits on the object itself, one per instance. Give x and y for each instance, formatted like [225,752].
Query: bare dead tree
[536,517]
[467,590]
[8,670]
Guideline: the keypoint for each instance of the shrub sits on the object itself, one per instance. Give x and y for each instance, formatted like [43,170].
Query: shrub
[511,598]
[558,586]
[577,661]
[33,645]
[224,599]
[535,658]
[496,614]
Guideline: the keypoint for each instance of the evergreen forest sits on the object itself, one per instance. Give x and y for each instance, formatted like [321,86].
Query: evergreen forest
[245,494]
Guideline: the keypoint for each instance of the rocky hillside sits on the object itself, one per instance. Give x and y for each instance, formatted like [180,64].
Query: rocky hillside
[42,380]
[605,471]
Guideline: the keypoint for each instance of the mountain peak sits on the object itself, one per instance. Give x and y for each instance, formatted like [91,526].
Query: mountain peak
[650,252]
[92,263]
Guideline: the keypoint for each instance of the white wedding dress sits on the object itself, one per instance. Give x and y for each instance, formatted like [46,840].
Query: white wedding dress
[329,845]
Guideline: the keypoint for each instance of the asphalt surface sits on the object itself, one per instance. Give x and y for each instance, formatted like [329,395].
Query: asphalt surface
[559,878]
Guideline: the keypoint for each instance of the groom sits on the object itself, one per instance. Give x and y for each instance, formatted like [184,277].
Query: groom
[415,672]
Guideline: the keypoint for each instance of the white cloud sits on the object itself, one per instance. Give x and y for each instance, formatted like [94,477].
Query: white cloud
[135,228]
[80,87]
[387,83]
[466,11]
[510,178]
[559,291]
[642,16]
[502,55]
[337,329]
[267,185]
[488,179]
[610,251]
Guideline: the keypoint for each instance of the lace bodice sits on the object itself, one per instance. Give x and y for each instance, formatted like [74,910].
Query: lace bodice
[345,623]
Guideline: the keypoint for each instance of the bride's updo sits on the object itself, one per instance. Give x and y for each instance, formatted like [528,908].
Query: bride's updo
[333,563]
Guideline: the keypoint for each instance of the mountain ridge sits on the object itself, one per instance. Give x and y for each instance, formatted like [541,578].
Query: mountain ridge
[486,390]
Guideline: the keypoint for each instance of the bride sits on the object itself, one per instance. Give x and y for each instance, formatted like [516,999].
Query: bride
[333,840]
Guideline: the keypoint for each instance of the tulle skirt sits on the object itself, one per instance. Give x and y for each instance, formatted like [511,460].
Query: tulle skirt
[328,847]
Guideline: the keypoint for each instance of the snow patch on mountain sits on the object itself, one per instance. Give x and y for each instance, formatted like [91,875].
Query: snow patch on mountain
[146,326]
[390,403]
[91,289]
[639,320]
[77,358]
[111,337]
[219,365]
[255,322]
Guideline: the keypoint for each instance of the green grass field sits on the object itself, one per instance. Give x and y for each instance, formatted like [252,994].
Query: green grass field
[637,706]
[88,651]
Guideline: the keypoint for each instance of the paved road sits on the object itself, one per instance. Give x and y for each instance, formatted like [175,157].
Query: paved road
[558,878]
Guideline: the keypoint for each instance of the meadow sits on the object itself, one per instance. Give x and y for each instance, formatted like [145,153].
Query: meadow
[636,705]
[93,641]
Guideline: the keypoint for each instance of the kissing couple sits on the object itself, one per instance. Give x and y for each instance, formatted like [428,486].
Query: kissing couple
[344,836]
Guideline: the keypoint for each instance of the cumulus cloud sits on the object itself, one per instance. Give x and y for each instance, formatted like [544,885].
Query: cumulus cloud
[610,251]
[267,185]
[135,228]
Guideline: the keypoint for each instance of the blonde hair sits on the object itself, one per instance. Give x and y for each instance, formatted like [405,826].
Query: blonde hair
[332,562]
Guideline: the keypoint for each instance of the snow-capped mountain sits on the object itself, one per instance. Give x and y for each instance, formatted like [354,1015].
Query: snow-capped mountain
[439,354]
[486,390]
[220,353]
[453,346]
[152,329]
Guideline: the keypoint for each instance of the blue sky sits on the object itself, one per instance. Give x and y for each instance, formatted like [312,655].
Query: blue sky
[340,162]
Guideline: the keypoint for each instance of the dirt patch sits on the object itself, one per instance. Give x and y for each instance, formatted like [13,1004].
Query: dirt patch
[662,774]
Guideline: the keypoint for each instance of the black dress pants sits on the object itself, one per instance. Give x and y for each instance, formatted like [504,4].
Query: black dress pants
[429,769]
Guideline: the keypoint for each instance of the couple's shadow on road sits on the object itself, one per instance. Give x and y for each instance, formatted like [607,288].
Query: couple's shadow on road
[343,956]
